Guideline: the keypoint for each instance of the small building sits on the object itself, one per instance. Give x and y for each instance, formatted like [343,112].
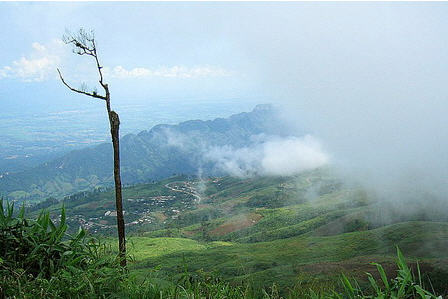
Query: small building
[112,213]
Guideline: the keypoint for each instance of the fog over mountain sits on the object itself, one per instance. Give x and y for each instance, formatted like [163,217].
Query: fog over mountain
[367,80]
[372,87]
[269,155]
[254,143]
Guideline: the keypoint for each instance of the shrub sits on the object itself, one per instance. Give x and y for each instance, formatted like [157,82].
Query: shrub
[405,285]
[39,259]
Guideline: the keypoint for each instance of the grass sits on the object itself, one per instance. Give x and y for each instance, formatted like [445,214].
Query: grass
[141,248]
[39,259]
[283,260]
[272,231]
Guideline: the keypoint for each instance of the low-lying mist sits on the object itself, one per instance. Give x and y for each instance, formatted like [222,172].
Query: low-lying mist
[396,150]
[369,81]
[269,155]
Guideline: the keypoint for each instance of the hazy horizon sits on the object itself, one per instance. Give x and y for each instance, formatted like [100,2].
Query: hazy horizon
[367,80]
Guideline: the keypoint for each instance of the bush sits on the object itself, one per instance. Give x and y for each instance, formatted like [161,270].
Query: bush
[39,259]
[405,285]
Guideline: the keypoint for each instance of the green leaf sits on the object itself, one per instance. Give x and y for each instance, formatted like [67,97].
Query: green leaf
[374,284]
[22,212]
[401,261]
[382,275]
[63,216]
[348,286]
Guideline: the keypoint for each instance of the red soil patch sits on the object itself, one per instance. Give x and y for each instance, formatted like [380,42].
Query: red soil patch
[160,216]
[357,267]
[189,233]
[236,224]
[92,205]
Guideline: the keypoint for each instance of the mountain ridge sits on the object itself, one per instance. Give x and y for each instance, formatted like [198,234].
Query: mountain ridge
[150,154]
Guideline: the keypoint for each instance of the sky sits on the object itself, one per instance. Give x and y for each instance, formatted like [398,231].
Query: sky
[203,50]
[368,79]
[150,51]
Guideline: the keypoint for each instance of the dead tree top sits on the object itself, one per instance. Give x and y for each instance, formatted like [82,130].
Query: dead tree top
[84,44]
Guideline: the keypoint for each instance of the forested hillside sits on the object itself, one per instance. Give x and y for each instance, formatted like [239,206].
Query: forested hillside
[158,153]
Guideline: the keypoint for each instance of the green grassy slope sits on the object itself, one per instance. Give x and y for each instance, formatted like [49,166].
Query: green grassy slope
[283,261]
[307,228]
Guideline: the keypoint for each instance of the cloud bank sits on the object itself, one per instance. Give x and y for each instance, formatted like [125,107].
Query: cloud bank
[272,156]
[373,89]
[39,65]
[167,72]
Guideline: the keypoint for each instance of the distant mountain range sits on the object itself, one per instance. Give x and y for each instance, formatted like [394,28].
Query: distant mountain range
[155,154]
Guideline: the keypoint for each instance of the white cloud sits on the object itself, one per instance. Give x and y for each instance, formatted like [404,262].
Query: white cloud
[42,61]
[167,72]
[292,155]
[38,66]
[240,162]
[121,72]
[274,156]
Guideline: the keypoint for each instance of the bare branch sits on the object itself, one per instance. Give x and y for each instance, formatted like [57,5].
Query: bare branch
[84,44]
[98,66]
[93,94]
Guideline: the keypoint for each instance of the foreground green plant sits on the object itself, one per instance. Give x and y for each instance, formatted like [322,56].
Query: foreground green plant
[405,285]
[39,259]
[200,285]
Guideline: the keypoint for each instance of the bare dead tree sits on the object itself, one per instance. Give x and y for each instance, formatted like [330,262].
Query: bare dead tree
[84,44]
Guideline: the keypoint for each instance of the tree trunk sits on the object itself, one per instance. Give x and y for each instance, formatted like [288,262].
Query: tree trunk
[84,44]
[114,130]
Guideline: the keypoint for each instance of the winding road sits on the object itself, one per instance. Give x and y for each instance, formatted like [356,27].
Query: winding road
[192,192]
